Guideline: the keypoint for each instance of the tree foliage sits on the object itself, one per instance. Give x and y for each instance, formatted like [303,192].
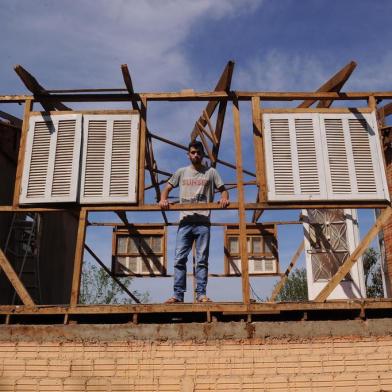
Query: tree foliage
[373,276]
[97,287]
[295,288]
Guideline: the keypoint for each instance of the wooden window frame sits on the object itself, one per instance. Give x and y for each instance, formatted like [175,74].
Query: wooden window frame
[141,230]
[252,231]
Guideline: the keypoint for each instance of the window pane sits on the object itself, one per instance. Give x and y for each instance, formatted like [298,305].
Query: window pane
[257,245]
[156,244]
[122,244]
[233,245]
[258,265]
[234,266]
[269,245]
[132,267]
[133,244]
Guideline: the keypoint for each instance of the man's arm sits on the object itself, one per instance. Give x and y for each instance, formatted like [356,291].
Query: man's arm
[224,199]
[164,202]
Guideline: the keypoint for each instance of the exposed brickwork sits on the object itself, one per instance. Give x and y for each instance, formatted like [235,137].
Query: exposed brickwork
[318,364]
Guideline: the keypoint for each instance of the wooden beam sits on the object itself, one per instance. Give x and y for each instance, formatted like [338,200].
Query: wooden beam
[293,261]
[128,83]
[241,206]
[39,92]
[107,270]
[15,281]
[345,268]
[12,119]
[142,150]
[258,141]
[220,161]
[386,110]
[335,83]
[223,84]
[78,260]
[21,154]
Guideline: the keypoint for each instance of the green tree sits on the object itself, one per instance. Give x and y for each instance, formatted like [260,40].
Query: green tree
[373,276]
[295,288]
[97,287]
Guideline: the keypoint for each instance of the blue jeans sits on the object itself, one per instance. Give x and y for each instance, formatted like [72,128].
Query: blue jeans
[186,234]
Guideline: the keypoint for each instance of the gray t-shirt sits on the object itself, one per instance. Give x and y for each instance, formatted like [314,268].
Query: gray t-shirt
[196,186]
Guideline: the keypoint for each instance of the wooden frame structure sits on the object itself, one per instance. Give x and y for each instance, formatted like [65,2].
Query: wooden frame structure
[210,135]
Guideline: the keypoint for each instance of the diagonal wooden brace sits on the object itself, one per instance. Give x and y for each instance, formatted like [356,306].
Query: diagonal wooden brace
[15,281]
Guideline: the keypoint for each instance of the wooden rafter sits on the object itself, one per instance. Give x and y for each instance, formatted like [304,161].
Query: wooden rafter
[129,85]
[345,268]
[15,281]
[385,111]
[334,84]
[223,84]
[47,101]
[17,122]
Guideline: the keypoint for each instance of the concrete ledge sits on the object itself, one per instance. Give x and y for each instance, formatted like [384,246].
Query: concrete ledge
[290,330]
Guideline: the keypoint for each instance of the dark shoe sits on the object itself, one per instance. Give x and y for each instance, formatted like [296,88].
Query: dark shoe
[173,300]
[203,299]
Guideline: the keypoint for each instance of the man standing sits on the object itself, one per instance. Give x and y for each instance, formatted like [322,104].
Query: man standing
[197,184]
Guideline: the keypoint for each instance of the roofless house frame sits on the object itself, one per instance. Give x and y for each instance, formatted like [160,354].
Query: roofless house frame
[290,174]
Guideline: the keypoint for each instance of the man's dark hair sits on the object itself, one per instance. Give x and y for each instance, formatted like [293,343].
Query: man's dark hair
[196,144]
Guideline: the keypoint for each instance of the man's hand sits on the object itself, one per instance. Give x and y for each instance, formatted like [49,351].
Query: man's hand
[164,204]
[224,202]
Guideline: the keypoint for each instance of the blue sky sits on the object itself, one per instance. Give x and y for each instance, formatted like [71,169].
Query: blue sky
[172,45]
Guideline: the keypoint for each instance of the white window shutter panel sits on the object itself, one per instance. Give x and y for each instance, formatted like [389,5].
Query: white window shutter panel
[110,158]
[52,155]
[293,157]
[354,166]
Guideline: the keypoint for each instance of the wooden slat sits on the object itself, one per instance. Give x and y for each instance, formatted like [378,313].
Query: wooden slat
[128,83]
[78,260]
[13,120]
[293,261]
[241,205]
[345,268]
[142,150]
[21,154]
[39,92]
[386,110]
[211,129]
[335,83]
[15,281]
[223,84]
[258,142]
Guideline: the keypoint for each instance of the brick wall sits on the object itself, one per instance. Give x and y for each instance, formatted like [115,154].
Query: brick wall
[261,364]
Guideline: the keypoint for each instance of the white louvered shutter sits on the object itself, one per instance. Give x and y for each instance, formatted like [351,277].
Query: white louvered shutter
[293,157]
[52,157]
[323,156]
[354,166]
[110,158]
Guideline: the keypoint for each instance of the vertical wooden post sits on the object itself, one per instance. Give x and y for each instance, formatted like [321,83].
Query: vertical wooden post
[142,149]
[241,204]
[22,145]
[259,149]
[78,260]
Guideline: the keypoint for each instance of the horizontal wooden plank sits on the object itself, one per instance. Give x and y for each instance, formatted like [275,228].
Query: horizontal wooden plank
[201,96]
[317,110]
[205,206]
[58,112]
[264,307]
